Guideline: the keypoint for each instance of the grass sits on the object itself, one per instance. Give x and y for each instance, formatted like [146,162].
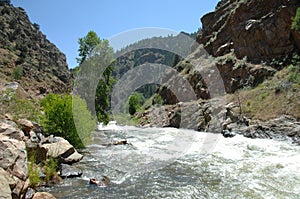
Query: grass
[19,107]
[48,167]
[274,97]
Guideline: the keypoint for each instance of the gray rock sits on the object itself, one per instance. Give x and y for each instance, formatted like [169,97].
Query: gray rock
[13,157]
[63,151]
[6,184]
[33,137]
[68,171]
[30,193]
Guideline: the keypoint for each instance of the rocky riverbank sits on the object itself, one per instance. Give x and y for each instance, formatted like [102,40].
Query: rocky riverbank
[17,141]
[217,117]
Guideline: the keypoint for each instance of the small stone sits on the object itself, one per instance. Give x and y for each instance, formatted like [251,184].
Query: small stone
[30,193]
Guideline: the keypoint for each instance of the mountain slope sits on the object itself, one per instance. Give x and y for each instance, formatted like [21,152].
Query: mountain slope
[28,57]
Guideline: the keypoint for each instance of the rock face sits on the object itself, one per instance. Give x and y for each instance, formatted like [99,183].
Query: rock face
[213,116]
[260,30]
[15,147]
[27,55]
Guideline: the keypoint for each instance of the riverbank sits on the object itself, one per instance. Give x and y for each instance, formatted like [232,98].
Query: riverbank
[25,154]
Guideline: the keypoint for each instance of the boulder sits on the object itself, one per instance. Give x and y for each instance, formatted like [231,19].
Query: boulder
[13,157]
[26,126]
[43,195]
[9,129]
[6,184]
[63,151]
[75,157]
[29,194]
[68,171]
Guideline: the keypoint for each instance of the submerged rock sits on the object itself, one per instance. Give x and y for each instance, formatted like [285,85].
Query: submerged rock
[104,182]
[68,171]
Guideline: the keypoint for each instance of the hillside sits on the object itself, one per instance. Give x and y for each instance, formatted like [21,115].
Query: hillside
[28,57]
[244,71]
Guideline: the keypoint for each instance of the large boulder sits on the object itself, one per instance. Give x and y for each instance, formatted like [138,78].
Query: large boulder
[13,157]
[63,151]
[9,128]
[6,184]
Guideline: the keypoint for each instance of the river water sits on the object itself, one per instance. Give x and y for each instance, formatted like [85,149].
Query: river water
[176,163]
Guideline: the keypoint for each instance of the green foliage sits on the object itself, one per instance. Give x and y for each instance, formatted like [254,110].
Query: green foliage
[33,172]
[59,119]
[157,100]
[134,104]
[17,73]
[96,66]
[86,45]
[50,166]
[296,21]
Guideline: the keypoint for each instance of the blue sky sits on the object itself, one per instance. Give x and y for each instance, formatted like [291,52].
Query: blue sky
[64,21]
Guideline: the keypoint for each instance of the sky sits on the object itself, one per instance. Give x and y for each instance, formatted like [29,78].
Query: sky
[64,21]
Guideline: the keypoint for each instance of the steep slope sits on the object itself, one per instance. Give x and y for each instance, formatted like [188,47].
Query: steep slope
[250,41]
[252,47]
[260,30]
[26,56]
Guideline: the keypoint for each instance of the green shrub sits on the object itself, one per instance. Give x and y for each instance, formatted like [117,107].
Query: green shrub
[33,172]
[59,118]
[17,73]
[296,21]
[134,104]
[157,100]
[50,166]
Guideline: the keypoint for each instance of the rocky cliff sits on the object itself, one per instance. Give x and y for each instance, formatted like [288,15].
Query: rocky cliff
[258,30]
[249,41]
[251,46]
[27,56]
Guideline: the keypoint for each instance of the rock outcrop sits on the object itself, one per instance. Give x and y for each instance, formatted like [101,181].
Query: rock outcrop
[258,30]
[27,56]
[212,116]
[17,145]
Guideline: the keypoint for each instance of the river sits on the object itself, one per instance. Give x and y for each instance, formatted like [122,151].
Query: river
[176,163]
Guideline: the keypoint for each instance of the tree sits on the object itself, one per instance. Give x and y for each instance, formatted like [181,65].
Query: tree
[135,101]
[95,74]
[134,104]
[296,21]
[86,45]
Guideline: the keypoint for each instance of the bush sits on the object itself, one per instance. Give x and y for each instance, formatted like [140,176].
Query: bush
[296,21]
[59,118]
[17,73]
[33,172]
[134,104]
[50,166]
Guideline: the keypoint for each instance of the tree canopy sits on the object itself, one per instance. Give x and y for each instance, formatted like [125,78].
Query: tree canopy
[86,45]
